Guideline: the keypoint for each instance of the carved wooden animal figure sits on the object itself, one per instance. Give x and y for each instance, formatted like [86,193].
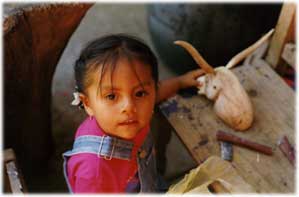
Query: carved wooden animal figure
[232,104]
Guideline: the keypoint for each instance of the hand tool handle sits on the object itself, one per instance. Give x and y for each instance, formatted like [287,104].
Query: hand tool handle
[223,136]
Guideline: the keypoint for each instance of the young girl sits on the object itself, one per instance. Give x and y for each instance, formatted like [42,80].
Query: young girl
[117,83]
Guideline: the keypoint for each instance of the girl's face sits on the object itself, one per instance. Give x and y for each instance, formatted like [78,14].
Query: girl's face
[126,106]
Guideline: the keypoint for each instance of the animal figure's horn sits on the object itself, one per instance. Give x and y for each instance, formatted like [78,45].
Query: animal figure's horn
[240,56]
[196,56]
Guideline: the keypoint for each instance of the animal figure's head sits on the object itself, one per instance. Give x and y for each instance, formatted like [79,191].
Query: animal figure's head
[210,86]
[222,86]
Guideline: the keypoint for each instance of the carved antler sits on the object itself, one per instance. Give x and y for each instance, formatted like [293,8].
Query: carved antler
[196,56]
[240,56]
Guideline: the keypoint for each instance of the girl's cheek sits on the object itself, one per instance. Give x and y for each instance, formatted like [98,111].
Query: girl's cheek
[148,105]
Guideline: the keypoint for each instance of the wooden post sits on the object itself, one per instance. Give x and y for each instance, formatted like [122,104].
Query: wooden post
[284,32]
[13,178]
[34,39]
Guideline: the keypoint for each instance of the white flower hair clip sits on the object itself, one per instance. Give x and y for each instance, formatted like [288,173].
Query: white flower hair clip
[76,100]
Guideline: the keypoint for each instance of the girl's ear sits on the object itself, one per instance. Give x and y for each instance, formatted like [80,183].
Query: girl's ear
[86,104]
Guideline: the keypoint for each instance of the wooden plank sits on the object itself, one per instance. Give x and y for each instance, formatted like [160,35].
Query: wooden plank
[284,32]
[9,155]
[196,124]
[34,37]
[13,176]
[289,54]
[14,182]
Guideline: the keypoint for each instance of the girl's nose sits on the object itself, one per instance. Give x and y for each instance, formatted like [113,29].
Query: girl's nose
[129,106]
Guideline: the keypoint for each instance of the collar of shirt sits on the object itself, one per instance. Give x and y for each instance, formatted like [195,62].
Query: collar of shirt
[91,127]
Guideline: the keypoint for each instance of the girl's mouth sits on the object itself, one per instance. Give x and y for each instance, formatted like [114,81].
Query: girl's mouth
[128,122]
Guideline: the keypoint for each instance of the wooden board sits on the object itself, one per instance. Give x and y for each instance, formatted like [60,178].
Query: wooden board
[284,32]
[34,37]
[289,54]
[196,124]
[13,178]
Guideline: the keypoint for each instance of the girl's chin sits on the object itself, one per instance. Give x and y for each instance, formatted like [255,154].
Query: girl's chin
[129,136]
[127,131]
[122,133]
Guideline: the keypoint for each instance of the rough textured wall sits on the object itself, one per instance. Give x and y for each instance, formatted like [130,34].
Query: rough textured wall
[34,38]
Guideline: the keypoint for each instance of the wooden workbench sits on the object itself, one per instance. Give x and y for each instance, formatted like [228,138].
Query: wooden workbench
[196,124]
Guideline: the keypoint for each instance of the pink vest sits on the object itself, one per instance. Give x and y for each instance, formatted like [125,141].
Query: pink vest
[88,173]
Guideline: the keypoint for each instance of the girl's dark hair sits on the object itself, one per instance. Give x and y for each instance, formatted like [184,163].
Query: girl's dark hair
[107,51]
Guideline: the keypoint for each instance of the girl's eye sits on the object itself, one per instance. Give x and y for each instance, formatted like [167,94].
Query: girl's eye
[141,93]
[110,97]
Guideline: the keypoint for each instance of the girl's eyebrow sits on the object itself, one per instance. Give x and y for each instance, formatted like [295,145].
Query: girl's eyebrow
[147,83]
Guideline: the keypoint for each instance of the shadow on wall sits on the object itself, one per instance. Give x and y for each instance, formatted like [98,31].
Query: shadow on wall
[218,31]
